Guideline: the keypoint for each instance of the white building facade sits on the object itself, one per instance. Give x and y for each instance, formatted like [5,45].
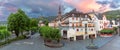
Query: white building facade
[77,27]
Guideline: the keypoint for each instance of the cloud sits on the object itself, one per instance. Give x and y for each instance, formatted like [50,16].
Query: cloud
[96,5]
[113,3]
[35,8]
[85,5]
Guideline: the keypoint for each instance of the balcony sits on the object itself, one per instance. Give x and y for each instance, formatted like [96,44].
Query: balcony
[90,25]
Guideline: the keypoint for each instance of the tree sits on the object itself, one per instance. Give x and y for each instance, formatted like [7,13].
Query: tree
[2,27]
[1,35]
[33,24]
[45,20]
[50,33]
[4,33]
[18,22]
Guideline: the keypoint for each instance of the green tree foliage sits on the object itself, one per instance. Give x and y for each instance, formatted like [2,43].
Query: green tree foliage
[46,22]
[107,31]
[18,22]
[1,35]
[4,33]
[50,33]
[114,14]
[2,27]
[44,19]
[33,24]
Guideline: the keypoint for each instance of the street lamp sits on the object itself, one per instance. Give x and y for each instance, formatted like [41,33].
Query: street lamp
[92,45]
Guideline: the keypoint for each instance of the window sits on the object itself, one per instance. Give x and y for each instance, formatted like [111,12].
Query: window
[73,24]
[91,29]
[72,16]
[77,29]
[77,24]
[80,24]
[102,26]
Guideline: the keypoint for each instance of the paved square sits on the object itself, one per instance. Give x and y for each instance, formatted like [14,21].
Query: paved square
[36,43]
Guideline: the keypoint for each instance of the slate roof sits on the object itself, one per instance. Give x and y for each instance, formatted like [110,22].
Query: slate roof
[99,16]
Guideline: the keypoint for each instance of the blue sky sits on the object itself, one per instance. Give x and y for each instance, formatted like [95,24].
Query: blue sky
[35,8]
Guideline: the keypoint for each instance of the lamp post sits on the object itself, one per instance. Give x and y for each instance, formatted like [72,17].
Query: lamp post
[92,45]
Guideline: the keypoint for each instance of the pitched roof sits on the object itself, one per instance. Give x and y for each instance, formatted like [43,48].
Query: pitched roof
[99,16]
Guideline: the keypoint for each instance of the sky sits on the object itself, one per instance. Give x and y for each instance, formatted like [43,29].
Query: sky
[36,8]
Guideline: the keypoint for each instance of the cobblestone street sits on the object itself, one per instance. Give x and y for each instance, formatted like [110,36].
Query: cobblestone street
[36,43]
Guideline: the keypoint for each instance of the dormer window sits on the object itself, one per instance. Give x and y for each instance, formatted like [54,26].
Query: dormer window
[85,16]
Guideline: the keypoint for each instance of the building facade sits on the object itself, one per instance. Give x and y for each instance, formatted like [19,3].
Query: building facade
[75,25]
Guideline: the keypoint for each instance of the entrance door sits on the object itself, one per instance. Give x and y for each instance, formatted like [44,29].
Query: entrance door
[92,36]
[79,37]
[64,33]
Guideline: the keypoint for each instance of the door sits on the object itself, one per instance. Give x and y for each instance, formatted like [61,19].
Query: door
[92,36]
[64,33]
[79,37]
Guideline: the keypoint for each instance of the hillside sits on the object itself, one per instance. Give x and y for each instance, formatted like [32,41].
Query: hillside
[114,14]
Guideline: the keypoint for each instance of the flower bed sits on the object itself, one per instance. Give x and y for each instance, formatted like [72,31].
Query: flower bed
[106,33]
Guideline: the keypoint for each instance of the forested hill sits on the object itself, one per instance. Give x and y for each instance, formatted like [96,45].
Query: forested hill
[114,14]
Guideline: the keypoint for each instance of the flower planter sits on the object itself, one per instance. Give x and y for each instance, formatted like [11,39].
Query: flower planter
[52,43]
[106,35]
